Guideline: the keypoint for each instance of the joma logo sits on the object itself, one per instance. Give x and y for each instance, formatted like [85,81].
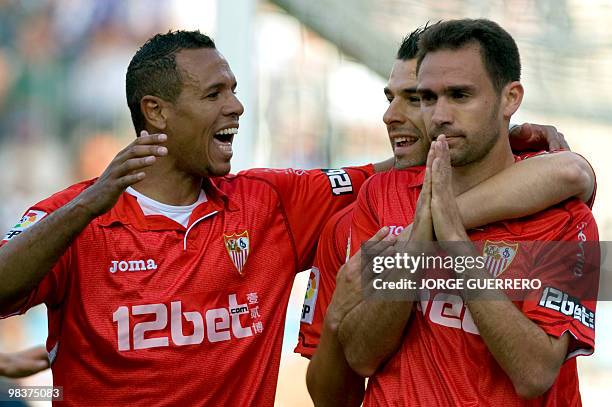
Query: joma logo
[132,265]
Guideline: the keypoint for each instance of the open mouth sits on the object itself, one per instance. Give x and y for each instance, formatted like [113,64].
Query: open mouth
[226,135]
[404,141]
[223,140]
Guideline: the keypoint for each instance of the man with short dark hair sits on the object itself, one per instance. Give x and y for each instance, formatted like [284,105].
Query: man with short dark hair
[458,349]
[153,70]
[178,266]
[167,280]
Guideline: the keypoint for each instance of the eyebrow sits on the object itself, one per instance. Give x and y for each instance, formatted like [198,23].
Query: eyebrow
[213,87]
[219,85]
[410,90]
[454,88]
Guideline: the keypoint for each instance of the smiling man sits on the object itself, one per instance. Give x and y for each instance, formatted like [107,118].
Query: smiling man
[372,330]
[167,280]
[455,348]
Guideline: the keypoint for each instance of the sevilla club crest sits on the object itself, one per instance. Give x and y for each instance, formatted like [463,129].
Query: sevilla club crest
[498,256]
[237,246]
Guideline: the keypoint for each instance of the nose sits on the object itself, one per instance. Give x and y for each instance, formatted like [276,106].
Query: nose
[233,106]
[393,113]
[441,113]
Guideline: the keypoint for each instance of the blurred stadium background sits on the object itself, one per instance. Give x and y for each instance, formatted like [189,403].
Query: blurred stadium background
[310,73]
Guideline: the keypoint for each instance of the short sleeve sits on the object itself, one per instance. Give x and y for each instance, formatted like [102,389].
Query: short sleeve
[310,197]
[331,254]
[51,288]
[569,273]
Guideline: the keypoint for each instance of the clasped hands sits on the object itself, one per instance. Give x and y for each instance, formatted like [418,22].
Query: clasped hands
[437,218]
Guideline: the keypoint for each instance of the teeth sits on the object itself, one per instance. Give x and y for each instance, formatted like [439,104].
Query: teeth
[233,130]
[404,139]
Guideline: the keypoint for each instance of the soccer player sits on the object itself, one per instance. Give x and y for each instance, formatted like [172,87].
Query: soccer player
[154,263]
[555,177]
[457,349]
[166,279]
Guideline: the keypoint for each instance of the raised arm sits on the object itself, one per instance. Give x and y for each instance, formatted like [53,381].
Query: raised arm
[527,187]
[530,354]
[26,258]
[372,331]
[540,182]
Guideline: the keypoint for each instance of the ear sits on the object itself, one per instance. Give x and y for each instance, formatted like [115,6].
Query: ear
[512,96]
[154,110]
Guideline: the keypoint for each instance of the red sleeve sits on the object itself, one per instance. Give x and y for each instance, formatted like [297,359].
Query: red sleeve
[331,254]
[569,272]
[365,221]
[310,197]
[52,287]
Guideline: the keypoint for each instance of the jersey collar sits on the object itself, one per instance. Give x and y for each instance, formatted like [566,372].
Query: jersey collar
[127,211]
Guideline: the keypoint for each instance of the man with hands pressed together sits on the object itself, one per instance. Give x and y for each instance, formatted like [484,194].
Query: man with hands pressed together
[484,352]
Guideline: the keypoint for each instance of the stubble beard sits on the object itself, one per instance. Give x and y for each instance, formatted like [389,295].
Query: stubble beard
[478,145]
[415,159]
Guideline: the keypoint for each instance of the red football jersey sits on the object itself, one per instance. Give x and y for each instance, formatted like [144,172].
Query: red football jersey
[442,359]
[331,254]
[143,311]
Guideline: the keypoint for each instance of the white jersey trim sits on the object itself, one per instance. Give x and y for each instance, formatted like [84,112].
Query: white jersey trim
[179,214]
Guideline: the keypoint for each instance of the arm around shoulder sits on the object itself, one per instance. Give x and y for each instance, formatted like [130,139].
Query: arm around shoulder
[540,182]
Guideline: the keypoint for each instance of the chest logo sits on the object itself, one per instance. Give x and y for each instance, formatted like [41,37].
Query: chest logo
[237,246]
[498,256]
[132,265]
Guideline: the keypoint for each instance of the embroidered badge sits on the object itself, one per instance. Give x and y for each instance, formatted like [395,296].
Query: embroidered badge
[237,246]
[498,256]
